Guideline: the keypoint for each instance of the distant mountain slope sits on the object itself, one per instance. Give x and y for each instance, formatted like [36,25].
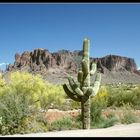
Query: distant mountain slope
[55,66]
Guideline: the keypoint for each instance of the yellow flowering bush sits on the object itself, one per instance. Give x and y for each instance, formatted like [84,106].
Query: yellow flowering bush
[21,97]
[98,103]
[2,81]
[102,96]
[39,92]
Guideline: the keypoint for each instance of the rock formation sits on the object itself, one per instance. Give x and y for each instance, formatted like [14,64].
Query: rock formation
[116,63]
[54,67]
[42,59]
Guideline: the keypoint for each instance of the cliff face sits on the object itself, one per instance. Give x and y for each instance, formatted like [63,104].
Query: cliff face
[43,60]
[116,63]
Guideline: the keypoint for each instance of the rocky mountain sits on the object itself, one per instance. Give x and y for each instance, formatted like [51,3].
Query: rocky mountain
[116,63]
[56,65]
[43,60]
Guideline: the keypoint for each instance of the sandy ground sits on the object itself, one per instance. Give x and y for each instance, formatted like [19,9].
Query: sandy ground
[131,130]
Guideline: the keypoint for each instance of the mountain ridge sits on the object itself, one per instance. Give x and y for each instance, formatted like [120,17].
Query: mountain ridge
[64,61]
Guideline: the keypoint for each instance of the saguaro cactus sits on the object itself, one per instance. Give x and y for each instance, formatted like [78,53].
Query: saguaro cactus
[83,91]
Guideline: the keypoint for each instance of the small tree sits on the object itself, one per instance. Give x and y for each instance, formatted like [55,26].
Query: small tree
[83,91]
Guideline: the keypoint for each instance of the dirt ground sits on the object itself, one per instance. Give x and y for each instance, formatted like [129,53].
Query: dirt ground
[131,130]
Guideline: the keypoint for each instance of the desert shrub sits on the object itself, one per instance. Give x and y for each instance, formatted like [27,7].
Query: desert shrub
[66,123]
[17,116]
[136,98]
[39,92]
[114,96]
[104,122]
[78,121]
[2,85]
[31,124]
[33,87]
[54,97]
[123,95]
[13,108]
[98,103]
[128,114]
[21,99]
[62,124]
[2,81]
[110,120]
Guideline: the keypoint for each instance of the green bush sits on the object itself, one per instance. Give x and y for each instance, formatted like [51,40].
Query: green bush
[117,96]
[33,87]
[54,97]
[62,124]
[17,116]
[136,98]
[110,120]
[2,81]
[39,92]
[22,97]
[31,124]
[98,103]
[66,123]
[128,115]
[13,108]
[103,122]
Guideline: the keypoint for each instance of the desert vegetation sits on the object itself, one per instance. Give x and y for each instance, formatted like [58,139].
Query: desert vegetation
[30,104]
[26,101]
[22,99]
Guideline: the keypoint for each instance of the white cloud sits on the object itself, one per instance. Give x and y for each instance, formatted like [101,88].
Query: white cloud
[3,64]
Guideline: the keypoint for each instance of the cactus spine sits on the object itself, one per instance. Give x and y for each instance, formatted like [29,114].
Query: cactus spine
[83,91]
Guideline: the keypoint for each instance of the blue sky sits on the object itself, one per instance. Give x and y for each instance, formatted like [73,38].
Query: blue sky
[111,28]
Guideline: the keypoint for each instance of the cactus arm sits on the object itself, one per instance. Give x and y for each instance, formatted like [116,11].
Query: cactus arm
[80,77]
[93,68]
[68,86]
[89,91]
[70,94]
[75,87]
[96,84]
[84,89]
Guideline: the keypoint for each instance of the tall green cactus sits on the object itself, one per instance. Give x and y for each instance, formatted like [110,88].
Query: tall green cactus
[83,91]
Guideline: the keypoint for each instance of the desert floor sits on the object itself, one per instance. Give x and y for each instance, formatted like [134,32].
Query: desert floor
[130,130]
